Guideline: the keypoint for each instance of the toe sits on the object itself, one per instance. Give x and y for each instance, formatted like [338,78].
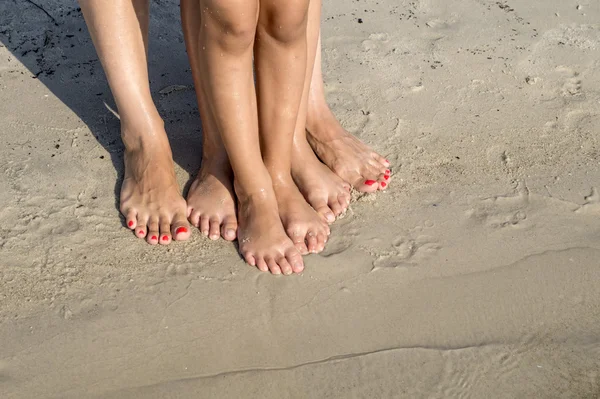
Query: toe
[294,258]
[153,233]
[204,225]
[297,237]
[322,209]
[214,231]
[321,240]
[363,185]
[344,200]
[131,219]
[380,159]
[383,181]
[311,241]
[249,258]
[284,265]
[229,228]
[165,232]
[273,266]
[180,229]
[336,206]
[194,218]
[261,264]
[141,226]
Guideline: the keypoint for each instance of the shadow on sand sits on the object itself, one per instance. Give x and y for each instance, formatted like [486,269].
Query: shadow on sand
[50,38]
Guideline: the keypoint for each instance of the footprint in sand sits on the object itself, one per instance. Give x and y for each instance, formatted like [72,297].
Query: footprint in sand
[503,211]
[406,251]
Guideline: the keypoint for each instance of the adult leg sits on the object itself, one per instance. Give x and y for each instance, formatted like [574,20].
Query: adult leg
[226,40]
[211,202]
[346,155]
[326,192]
[150,196]
[280,58]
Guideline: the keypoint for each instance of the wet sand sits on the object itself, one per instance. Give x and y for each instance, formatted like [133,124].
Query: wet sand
[475,275]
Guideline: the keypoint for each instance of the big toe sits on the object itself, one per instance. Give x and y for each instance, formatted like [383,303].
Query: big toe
[229,228]
[324,210]
[180,228]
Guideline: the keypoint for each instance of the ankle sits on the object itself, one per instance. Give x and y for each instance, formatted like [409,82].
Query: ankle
[138,136]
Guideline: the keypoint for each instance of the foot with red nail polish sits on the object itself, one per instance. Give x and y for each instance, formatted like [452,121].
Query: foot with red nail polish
[150,198]
[347,156]
[211,201]
[326,192]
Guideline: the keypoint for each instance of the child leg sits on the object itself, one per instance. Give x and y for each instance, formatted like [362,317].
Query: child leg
[150,197]
[211,202]
[226,40]
[280,59]
[326,192]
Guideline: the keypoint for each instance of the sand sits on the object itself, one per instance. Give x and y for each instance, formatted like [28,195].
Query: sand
[477,275]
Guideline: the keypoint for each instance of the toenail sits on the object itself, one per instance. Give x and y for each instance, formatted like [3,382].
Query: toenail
[130,223]
[387,172]
[165,238]
[154,238]
[181,230]
[386,177]
[383,184]
[141,232]
[370,182]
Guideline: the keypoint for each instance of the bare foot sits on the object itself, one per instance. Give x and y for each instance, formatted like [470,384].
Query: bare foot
[307,229]
[150,198]
[211,203]
[346,155]
[326,192]
[262,239]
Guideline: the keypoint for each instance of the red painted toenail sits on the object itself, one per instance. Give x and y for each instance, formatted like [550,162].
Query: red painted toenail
[370,182]
[386,177]
[154,238]
[387,172]
[141,232]
[165,238]
[383,184]
[130,223]
[181,230]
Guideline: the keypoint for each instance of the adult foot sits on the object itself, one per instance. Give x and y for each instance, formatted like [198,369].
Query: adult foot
[344,154]
[307,229]
[326,192]
[150,198]
[211,201]
[262,240]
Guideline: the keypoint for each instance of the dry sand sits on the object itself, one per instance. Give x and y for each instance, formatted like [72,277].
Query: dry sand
[477,275]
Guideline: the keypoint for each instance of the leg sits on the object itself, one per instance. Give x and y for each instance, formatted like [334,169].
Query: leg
[326,192]
[347,156]
[150,197]
[280,59]
[226,39]
[211,202]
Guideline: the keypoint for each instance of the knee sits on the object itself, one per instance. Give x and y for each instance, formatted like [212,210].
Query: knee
[285,22]
[233,22]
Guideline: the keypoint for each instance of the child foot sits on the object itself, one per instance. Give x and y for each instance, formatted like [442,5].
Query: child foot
[326,192]
[346,155]
[262,239]
[307,229]
[211,203]
[150,199]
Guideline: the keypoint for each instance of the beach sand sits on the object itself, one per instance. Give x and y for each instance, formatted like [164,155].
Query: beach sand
[476,275]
